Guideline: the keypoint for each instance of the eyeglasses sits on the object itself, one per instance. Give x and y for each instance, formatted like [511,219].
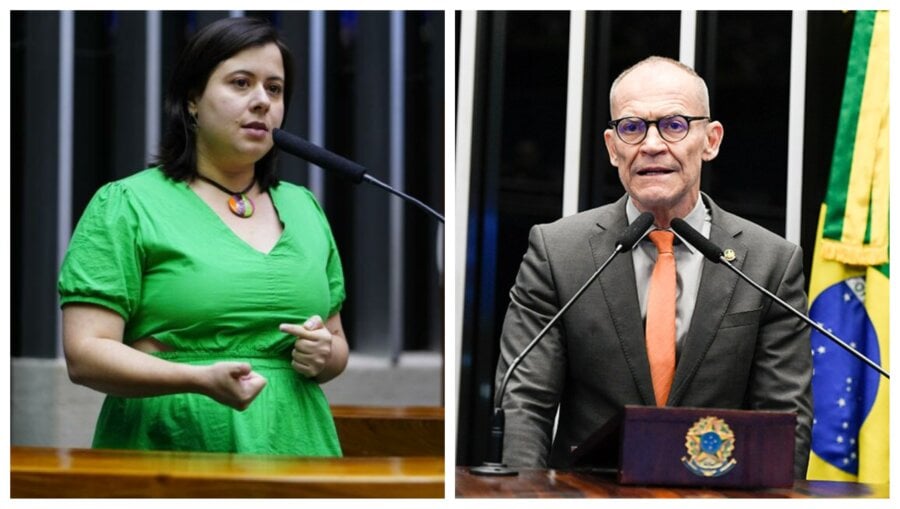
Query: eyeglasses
[633,130]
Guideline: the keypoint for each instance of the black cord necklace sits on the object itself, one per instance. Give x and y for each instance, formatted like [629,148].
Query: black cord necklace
[239,203]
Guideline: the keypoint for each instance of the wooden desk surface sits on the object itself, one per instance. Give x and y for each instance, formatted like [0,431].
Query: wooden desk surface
[531,483]
[49,472]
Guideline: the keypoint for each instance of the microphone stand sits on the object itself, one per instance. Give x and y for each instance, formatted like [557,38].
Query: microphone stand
[494,465]
[372,180]
[714,254]
[813,324]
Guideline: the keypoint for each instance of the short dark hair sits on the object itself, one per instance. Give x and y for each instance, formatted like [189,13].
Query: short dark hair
[211,45]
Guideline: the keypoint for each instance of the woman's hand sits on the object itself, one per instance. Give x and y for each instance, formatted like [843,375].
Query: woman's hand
[312,348]
[233,383]
[320,350]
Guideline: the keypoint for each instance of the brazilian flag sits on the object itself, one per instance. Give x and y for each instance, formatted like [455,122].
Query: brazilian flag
[850,274]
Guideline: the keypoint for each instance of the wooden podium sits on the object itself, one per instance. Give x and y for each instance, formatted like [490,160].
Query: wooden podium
[703,447]
[390,431]
[394,452]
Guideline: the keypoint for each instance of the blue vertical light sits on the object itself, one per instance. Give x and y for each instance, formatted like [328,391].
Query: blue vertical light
[397,167]
[317,97]
[153,92]
[64,139]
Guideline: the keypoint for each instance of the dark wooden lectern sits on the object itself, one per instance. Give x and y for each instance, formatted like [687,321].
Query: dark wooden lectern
[389,452]
[695,447]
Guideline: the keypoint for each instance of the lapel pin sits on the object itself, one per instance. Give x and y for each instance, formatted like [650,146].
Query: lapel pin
[729,255]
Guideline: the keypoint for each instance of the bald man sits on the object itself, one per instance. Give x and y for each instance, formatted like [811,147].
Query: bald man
[733,347]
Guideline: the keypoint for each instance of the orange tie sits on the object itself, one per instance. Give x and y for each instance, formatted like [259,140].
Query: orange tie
[661,317]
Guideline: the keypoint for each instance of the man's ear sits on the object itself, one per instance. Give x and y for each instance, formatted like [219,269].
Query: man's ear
[610,140]
[714,134]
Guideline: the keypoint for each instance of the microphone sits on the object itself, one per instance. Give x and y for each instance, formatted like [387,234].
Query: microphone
[494,465]
[317,155]
[634,232]
[688,234]
[346,168]
[714,254]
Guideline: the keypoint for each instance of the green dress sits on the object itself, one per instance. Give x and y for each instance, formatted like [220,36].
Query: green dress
[150,249]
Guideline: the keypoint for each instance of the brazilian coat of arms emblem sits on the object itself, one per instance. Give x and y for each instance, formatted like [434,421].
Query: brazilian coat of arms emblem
[709,444]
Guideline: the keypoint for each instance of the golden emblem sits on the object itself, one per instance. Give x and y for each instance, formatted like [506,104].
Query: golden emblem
[729,255]
[709,444]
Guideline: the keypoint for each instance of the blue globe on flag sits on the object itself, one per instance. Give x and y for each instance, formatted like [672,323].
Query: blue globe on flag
[843,387]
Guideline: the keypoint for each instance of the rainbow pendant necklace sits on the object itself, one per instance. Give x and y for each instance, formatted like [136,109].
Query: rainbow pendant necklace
[238,202]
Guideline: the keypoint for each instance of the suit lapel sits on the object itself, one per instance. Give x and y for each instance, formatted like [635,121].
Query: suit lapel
[620,295]
[717,285]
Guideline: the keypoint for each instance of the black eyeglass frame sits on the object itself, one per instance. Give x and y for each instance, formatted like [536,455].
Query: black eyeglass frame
[614,125]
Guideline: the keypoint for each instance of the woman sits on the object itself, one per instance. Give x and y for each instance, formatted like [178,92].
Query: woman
[193,291]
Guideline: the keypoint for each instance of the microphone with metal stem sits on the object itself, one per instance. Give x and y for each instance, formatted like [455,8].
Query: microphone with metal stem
[494,464]
[346,168]
[714,254]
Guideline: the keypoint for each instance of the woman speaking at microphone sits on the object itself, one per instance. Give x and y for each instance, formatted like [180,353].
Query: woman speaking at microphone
[202,295]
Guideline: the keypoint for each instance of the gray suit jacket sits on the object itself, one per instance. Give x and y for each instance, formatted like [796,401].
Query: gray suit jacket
[741,351]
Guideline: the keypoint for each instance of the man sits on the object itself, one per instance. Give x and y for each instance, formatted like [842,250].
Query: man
[729,346]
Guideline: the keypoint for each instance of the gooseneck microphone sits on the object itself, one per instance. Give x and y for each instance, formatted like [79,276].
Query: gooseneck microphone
[494,465]
[714,254]
[346,168]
